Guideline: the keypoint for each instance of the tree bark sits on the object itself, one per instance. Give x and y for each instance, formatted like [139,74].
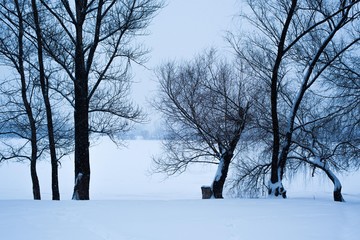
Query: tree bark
[35,181]
[337,185]
[221,174]
[81,115]
[82,158]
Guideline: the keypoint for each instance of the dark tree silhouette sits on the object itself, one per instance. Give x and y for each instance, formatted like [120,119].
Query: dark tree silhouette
[296,44]
[94,43]
[206,109]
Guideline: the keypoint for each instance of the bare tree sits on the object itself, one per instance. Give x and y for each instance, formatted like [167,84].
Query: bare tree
[326,139]
[326,152]
[296,44]
[331,141]
[94,43]
[206,108]
[15,53]
[31,80]
[44,83]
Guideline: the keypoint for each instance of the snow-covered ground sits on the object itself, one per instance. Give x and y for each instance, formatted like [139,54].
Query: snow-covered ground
[129,203]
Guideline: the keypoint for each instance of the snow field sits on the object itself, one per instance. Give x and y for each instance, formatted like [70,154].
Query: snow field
[129,204]
[179,219]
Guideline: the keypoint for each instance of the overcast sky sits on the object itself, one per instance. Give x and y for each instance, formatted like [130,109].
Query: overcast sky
[180,31]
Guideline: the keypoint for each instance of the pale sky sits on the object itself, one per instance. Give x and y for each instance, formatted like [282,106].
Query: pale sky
[181,30]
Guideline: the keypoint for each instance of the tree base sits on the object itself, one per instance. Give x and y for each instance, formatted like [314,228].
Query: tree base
[338,196]
[277,190]
[81,189]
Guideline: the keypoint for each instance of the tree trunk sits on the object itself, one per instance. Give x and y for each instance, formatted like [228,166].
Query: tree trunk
[27,106]
[82,160]
[54,179]
[82,156]
[35,181]
[81,115]
[34,151]
[337,185]
[337,195]
[275,185]
[276,189]
[45,93]
[221,174]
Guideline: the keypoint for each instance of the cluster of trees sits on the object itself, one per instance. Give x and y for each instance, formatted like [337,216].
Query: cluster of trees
[289,99]
[291,95]
[70,78]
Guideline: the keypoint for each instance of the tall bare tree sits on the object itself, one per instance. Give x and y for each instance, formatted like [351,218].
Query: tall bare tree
[44,83]
[94,43]
[296,44]
[20,25]
[206,108]
[326,139]
[15,52]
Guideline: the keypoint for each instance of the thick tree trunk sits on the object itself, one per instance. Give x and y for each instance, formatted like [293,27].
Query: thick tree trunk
[82,158]
[45,93]
[337,185]
[337,195]
[226,156]
[81,119]
[276,189]
[221,174]
[81,115]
